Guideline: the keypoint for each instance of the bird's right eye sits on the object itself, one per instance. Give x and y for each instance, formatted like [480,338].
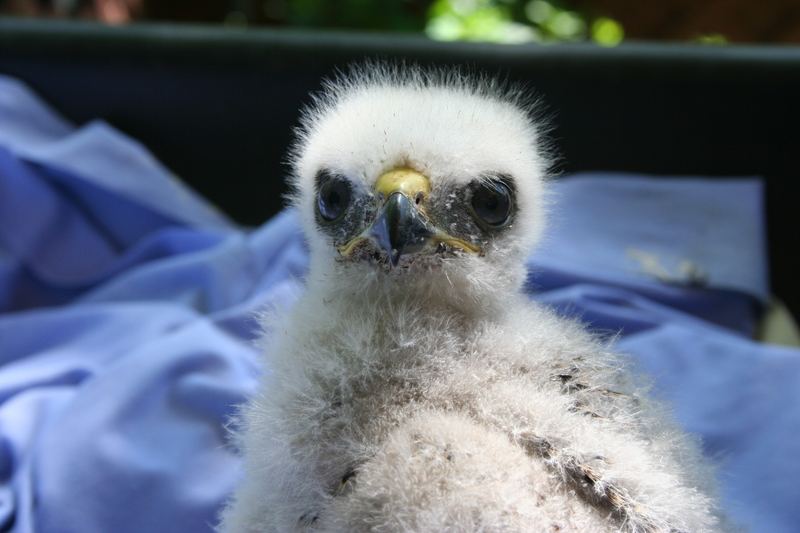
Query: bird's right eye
[333,197]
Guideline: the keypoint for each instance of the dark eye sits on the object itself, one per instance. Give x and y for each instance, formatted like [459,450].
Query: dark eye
[491,202]
[333,197]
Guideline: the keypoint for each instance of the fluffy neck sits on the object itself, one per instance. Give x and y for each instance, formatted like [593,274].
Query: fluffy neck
[452,290]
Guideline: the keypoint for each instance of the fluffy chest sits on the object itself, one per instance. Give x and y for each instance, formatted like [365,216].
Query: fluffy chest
[363,376]
[349,372]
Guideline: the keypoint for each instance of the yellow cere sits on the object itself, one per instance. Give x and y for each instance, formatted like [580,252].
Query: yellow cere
[403,180]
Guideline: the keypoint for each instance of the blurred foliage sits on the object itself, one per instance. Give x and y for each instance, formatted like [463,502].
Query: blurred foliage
[514,21]
[712,38]
[498,21]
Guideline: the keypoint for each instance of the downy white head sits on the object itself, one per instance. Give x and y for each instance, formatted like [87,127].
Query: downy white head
[416,182]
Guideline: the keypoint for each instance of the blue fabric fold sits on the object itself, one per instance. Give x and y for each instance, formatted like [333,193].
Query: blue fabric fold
[99,155]
[694,244]
[128,325]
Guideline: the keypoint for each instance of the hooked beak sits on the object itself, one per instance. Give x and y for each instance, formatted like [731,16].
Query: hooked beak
[402,227]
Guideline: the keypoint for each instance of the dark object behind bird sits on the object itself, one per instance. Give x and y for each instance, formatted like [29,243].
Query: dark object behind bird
[217,106]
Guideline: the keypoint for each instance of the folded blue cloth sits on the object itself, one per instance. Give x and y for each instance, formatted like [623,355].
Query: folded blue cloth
[127,308]
[696,245]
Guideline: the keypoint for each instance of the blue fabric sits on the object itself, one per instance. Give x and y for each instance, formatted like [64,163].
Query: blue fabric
[126,326]
[696,245]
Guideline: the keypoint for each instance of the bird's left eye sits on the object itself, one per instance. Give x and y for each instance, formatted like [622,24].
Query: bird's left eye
[333,198]
[492,203]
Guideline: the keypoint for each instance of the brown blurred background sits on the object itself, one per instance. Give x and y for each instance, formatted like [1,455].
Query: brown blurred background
[745,21]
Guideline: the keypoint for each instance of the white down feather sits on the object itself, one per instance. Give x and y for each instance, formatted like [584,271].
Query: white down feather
[443,399]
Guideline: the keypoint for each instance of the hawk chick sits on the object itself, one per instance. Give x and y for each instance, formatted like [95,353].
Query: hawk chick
[414,387]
